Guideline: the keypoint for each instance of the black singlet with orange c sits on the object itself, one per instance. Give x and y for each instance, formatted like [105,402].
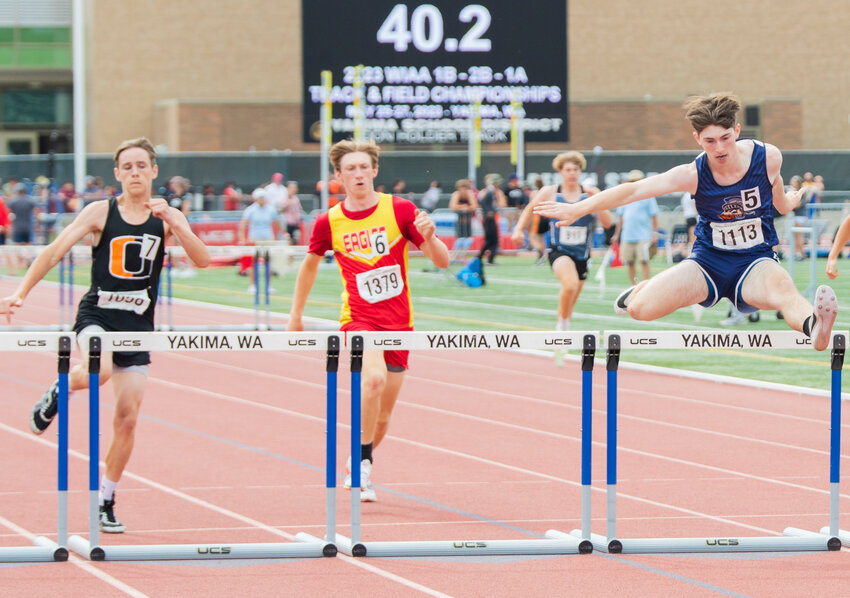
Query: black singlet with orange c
[126,266]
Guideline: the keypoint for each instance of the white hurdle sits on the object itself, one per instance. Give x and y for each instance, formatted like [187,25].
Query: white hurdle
[793,539]
[46,550]
[553,542]
[305,545]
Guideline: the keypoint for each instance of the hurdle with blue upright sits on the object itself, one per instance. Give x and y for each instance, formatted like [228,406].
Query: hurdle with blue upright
[305,545]
[793,539]
[554,541]
[20,339]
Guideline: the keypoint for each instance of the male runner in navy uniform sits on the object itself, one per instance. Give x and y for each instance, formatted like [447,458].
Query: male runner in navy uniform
[128,241]
[735,184]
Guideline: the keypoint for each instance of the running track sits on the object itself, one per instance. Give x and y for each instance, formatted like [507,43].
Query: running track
[482,446]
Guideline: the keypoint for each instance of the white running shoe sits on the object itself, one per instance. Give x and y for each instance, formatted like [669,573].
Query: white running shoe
[620,302]
[367,492]
[735,319]
[826,308]
[347,481]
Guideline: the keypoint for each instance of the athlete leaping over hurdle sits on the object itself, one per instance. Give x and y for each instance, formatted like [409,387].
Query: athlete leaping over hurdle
[369,233]
[734,183]
[128,241]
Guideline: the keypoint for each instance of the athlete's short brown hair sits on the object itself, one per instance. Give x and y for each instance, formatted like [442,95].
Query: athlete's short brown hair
[719,109]
[142,142]
[576,158]
[348,146]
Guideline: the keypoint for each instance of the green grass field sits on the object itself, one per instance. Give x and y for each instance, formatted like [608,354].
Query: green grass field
[522,296]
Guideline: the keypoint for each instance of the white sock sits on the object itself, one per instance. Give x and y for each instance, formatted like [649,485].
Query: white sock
[563,324]
[107,489]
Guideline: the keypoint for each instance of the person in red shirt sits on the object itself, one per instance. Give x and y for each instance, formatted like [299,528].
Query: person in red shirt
[4,221]
[369,233]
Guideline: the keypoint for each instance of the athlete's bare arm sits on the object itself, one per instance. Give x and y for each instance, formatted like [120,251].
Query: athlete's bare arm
[544,193]
[838,243]
[91,220]
[177,225]
[783,202]
[303,284]
[678,178]
[433,248]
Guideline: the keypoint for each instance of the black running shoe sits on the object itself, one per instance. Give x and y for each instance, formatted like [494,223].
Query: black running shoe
[108,523]
[620,303]
[45,410]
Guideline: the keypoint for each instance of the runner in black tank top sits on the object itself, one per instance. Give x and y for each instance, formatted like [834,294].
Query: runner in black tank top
[126,265]
[129,235]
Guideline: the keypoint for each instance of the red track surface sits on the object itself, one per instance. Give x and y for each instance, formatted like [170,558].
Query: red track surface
[230,448]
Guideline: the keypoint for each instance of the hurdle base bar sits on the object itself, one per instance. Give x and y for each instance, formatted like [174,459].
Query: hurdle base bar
[308,547]
[803,542]
[44,551]
[555,543]
[843,535]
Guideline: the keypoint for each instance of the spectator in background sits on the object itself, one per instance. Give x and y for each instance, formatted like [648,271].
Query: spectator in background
[491,199]
[232,196]
[4,221]
[276,192]
[463,203]
[431,197]
[800,218]
[179,194]
[515,198]
[257,226]
[637,231]
[334,191]
[9,187]
[689,211]
[23,209]
[210,198]
[400,189]
[69,197]
[814,188]
[93,190]
[292,213]
[44,193]
[539,226]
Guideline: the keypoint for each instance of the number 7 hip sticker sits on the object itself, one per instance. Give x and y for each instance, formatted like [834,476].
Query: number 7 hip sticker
[150,245]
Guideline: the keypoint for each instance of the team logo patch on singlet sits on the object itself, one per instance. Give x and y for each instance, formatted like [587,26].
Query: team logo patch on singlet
[133,257]
[733,207]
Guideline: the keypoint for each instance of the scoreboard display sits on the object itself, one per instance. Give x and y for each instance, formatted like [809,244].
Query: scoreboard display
[416,72]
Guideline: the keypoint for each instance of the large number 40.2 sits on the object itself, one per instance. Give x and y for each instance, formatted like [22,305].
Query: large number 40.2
[426,29]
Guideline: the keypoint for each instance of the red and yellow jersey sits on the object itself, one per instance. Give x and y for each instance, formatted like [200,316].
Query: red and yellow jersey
[371,250]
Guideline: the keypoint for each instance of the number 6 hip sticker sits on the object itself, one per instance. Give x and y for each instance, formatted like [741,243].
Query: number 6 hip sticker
[380,243]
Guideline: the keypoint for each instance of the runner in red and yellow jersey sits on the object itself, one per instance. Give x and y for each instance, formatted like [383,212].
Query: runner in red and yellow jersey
[369,234]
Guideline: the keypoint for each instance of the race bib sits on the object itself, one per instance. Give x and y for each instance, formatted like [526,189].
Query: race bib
[380,284]
[135,301]
[572,235]
[741,234]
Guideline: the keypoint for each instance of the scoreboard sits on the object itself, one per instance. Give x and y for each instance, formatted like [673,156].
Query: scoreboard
[418,71]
